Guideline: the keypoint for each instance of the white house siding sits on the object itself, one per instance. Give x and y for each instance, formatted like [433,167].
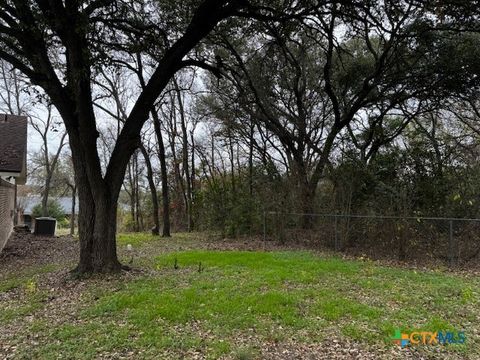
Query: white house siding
[7,210]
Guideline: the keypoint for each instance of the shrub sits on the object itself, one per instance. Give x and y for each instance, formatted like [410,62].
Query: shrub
[54,210]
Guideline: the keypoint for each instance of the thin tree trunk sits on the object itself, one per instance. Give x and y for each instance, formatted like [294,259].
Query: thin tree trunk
[138,226]
[50,166]
[250,161]
[45,194]
[180,186]
[153,191]
[131,193]
[232,163]
[213,153]
[192,168]
[164,175]
[186,170]
[72,213]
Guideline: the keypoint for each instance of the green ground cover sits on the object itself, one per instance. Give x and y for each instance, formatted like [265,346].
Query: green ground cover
[207,301]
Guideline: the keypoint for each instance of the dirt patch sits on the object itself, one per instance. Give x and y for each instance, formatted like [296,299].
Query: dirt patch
[26,250]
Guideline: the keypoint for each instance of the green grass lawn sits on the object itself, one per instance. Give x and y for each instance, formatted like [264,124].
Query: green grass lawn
[228,303]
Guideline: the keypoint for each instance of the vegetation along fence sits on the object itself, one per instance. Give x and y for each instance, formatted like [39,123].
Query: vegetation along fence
[451,240]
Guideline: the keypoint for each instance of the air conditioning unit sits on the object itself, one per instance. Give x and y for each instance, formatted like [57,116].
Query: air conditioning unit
[45,226]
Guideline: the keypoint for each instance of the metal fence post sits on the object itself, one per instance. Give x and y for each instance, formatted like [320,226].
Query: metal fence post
[336,233]
[450,243]
[264,229]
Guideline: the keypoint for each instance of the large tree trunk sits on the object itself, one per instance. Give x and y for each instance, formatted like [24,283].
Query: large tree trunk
[104,255]
[98,197]
[97,229]
[306,189]
[307,196]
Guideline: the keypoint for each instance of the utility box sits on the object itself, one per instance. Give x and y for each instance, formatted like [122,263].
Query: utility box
[45,226]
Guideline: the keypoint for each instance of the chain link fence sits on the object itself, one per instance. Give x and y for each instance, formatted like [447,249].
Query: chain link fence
[451,240]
